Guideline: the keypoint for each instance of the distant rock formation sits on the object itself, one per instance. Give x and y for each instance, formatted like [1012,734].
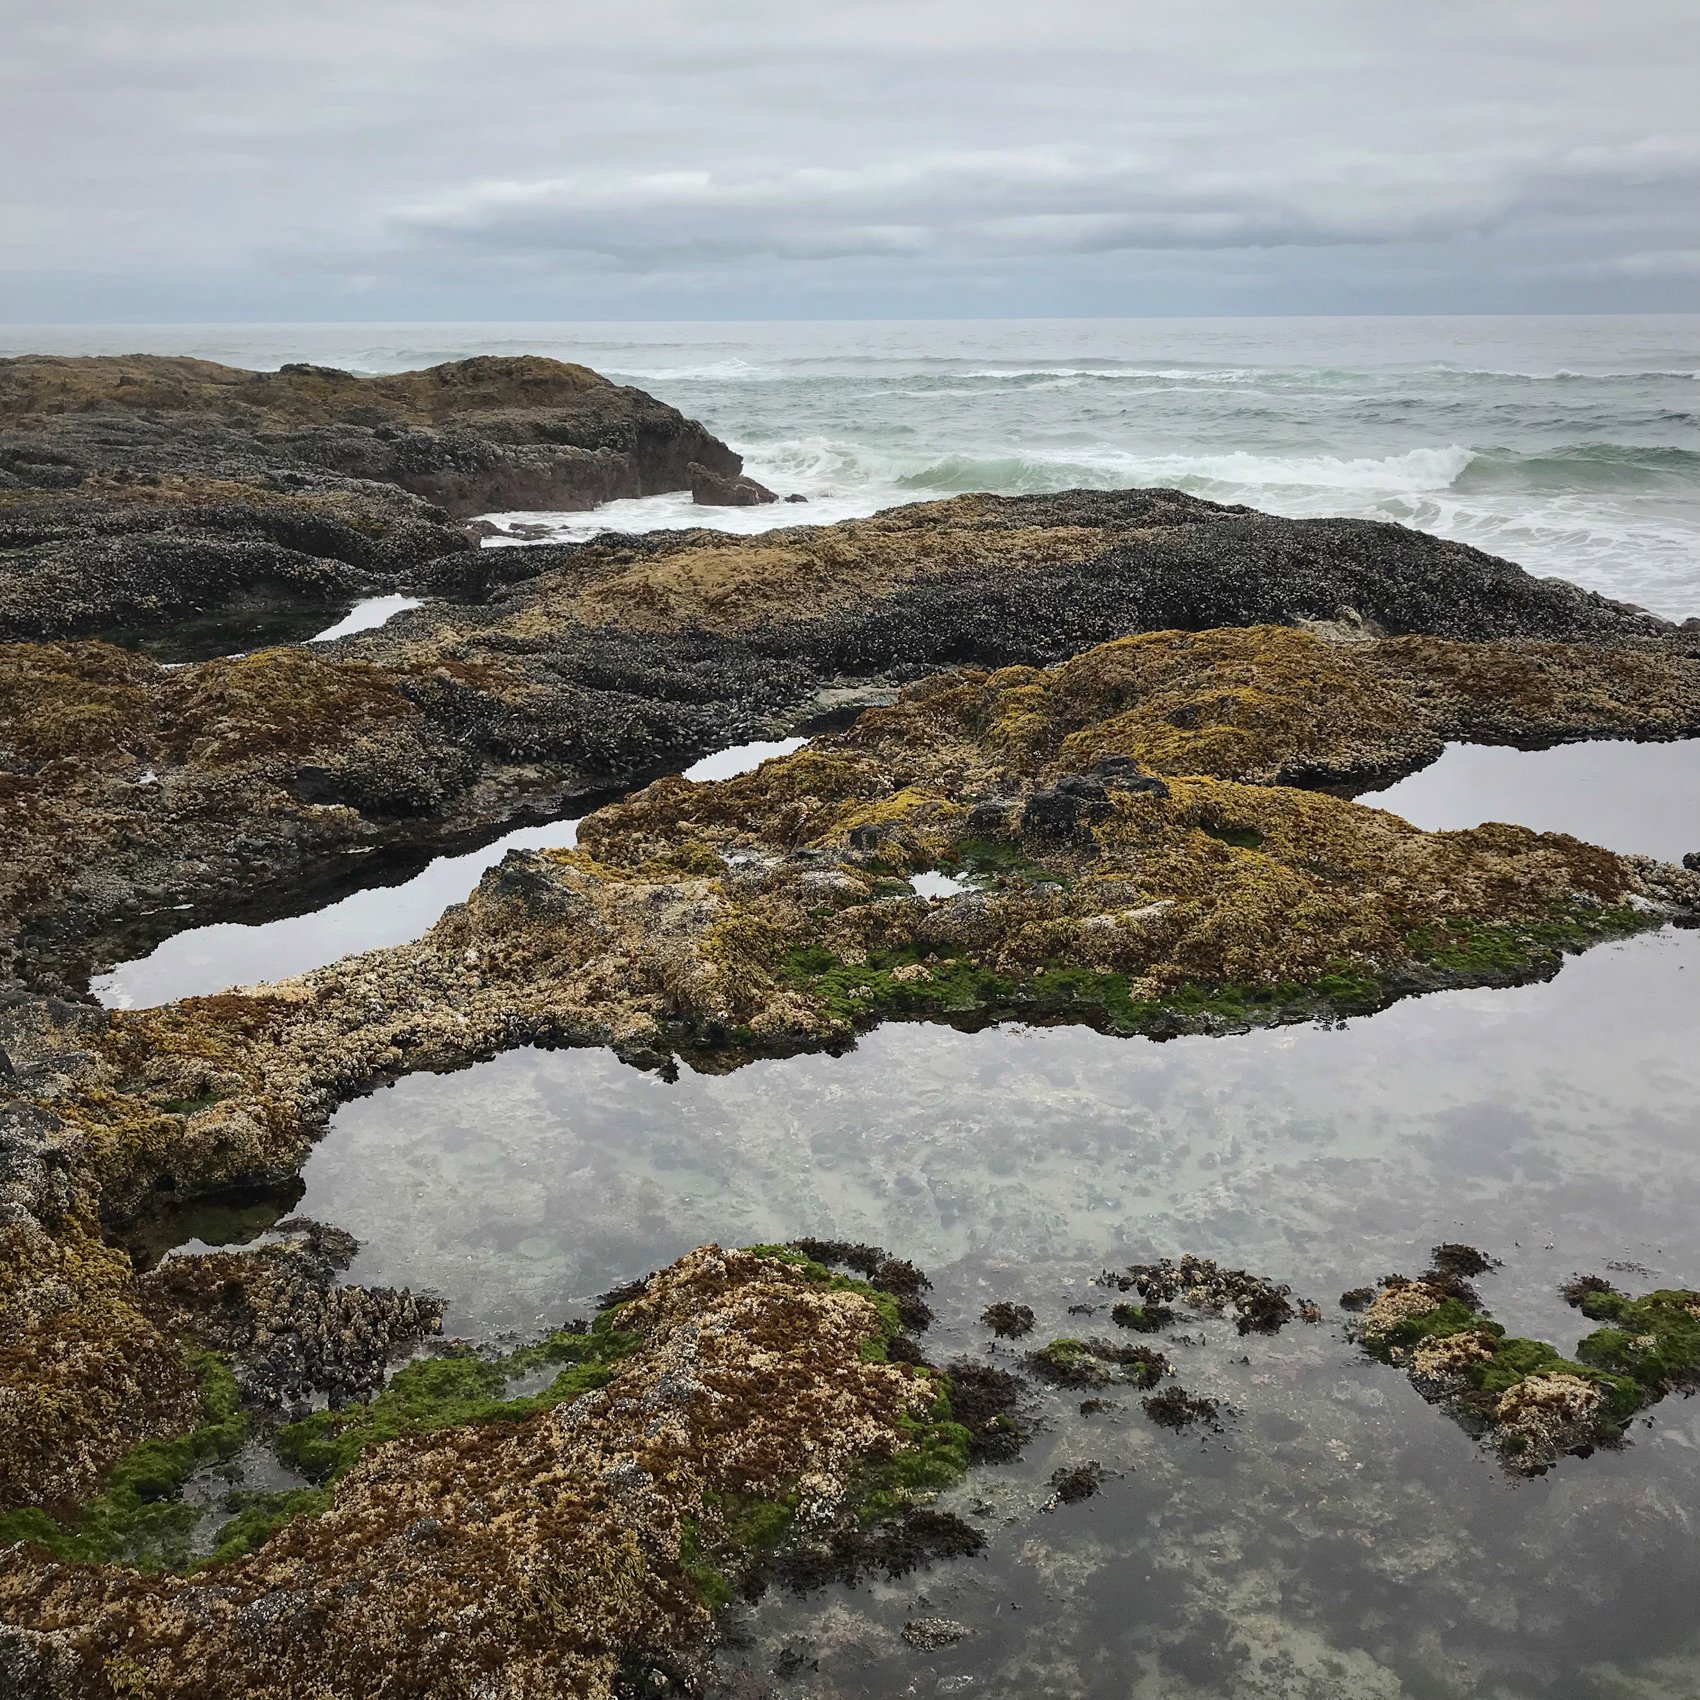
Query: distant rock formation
[140,487]
[714,490]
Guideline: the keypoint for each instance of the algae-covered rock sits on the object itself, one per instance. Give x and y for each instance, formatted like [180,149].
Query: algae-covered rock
[565,1546]
[1530,1403]
[240,778]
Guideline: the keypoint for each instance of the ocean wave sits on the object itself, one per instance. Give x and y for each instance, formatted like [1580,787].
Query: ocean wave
[1241,472]
[1120,373]
[1561,374]
[732,370]
[1589,466]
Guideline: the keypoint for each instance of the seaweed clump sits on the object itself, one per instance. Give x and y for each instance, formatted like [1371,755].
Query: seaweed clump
[1143,1319]
[1073,1483]
[986,1401]
[1528,1401]
[1008,1321]
[1174,1407]
[894,1276]
[1258,1306]
[1097,1363]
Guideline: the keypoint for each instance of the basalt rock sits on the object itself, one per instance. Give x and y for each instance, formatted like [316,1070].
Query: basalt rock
[138,487]
[761,911]
[716,490]
[730,919]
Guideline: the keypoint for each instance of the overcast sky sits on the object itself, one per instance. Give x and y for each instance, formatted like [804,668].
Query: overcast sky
[182,160]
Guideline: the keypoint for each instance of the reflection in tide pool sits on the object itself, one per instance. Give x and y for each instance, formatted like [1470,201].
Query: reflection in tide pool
[1340,1538]
[367,616]
[207,959]
[229,953]
[1628,797]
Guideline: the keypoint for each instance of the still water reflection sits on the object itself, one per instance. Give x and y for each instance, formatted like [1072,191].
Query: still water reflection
[1640,797]
[1340,1538]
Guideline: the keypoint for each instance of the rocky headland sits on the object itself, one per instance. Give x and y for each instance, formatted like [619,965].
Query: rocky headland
[134,489]
[1127,734]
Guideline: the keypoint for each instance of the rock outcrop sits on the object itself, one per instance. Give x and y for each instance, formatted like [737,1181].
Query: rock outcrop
[612,661]
[133,488]
[714,490]
[775,911]
[577,1543]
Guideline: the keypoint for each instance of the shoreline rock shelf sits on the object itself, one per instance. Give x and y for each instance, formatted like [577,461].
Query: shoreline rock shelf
[736,1396]
[1126,732]
[137,487]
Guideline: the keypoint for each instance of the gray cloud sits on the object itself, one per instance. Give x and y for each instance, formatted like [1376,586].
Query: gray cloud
[400,158]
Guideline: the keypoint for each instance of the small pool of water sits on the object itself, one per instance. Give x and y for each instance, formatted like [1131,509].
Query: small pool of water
[208,959]
[741,758]
[933,884]
[187,638]
[229,953]
[1626,796]
[367,616]
[1339,1537]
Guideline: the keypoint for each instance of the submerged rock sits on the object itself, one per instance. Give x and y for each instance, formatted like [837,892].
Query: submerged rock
[1531,1404]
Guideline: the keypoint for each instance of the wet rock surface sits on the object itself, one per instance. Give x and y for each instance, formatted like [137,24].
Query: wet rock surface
[144,798]
[1527,1401]
[568,1547]
[136,487]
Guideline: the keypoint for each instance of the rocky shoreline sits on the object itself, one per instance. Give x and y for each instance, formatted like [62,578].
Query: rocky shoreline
[135,489]
[1124,750]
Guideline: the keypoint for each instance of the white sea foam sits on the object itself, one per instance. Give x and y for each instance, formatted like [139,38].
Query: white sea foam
[721,371]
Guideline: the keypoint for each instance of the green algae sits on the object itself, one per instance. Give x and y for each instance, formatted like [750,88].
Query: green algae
[258,1516]
[136,1519]
[1451,1317]
[1067,1362]
[456,1389]
[988,859]
[861,993]
[903,982]
[1488,949]
[1649,1347]
[1653,1341]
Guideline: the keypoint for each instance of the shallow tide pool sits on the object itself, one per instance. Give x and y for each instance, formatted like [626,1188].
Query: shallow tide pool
[1339,1537]
[1640,797]
[206,959]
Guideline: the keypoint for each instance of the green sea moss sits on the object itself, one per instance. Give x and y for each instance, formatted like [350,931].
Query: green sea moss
[453,1390]
[135,1518]
[1652,1341]
[259,1515]
[1531,1401]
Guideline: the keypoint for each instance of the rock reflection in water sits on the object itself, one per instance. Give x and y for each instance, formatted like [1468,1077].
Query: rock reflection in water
[1340,1537]
[1628,797]
[207,959]
[230,953]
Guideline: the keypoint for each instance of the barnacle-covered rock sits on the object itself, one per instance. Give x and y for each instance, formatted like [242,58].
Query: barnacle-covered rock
[592,1537]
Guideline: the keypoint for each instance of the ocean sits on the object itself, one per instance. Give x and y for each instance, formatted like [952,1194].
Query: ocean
[1568,444]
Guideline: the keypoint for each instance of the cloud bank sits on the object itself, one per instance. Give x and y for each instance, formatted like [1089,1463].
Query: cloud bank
[417,158]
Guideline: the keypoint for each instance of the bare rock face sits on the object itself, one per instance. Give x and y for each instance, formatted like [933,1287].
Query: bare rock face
[713,490]
[139,487]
